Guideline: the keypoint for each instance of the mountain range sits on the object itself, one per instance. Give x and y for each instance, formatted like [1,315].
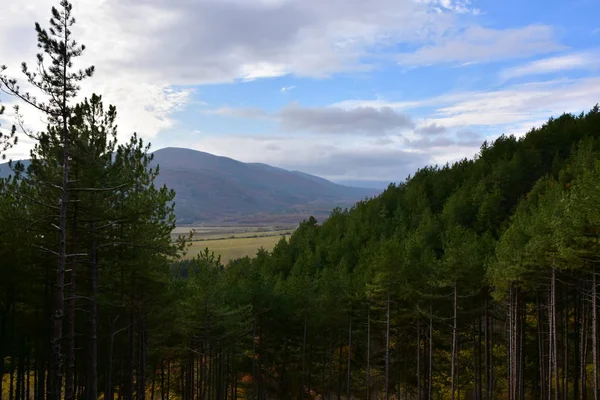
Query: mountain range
[212,189]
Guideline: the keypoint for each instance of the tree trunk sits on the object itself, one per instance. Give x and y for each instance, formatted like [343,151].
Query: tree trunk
[487,350]
[368,352]
[430,373]
[475,365]
[70,356]
[387,349]
[453,354]
[348,371]
[92,370]
[419,356]
[340,363]
[565,333]
[330,375]
[595,334]
[584,351]
[554,337]
[302,383]
[541,353]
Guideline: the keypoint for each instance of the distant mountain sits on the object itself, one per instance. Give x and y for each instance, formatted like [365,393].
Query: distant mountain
[212,189]
[371,184]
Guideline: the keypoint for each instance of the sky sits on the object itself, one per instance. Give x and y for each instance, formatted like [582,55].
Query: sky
[356,91]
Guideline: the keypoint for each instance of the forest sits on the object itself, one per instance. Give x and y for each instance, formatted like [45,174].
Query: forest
[476,280]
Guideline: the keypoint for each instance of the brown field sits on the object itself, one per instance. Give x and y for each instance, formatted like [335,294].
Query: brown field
[232,242]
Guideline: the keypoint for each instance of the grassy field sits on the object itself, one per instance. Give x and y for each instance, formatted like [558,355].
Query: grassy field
[232,242]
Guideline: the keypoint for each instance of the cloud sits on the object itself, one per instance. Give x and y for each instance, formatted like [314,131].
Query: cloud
[239,112]
[582,60]
[355,158]
[361,120]
[477,44]
[431,129]
[215,41]
[514,105]
[148,54]
[377,164]
[519,104]
[379,103]
[287,89]
[328,119]
[146,106]
[446,142]
[451,127]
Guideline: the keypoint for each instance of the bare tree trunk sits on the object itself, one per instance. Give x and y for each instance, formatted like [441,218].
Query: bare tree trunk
[348,370]
[92,389]
[541,352]
[595,334]
[254,363]
[302,385]
[487,350]
[430,372]
[368,352]
[70,373]
[479,359]
[475,364]
[330,375]
[584,350]
[521,333]
[565,331]
[554,337]
[510,345]
[168,379]
[550,345]
[339,388]
[576,353]
[453,354]
[387,350]
[419,357]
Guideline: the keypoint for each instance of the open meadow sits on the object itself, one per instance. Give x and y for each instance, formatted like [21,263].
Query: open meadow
[231,242]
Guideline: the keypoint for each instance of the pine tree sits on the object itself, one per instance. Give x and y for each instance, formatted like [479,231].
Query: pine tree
[59,84]
[7,139]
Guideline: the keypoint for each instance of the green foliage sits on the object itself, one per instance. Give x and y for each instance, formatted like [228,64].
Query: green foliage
[465,280]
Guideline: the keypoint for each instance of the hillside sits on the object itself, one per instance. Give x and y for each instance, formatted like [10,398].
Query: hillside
[214,189]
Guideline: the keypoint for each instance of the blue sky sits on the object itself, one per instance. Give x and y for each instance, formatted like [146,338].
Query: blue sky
[354,91]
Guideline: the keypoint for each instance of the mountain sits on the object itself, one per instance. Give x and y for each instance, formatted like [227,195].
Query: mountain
[212,189]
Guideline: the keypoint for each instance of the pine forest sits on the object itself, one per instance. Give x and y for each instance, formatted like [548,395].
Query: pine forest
[476,280]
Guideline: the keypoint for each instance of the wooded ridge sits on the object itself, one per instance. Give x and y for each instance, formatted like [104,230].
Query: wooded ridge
[475,280]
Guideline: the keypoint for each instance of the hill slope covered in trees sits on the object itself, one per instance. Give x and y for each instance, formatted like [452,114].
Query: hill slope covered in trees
[466,281]
[475,280]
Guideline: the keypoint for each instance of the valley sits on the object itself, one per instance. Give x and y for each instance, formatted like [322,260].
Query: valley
[232,242]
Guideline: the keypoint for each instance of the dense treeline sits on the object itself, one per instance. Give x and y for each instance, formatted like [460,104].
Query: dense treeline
[471,281]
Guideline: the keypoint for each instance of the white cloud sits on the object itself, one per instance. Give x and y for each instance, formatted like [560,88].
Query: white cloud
[379,103]
[239,112]
[145,52]
[453,127]
[361,120]
[287,89]
[478,44]
[520,103]
[516,104]
[431,129]
[325,156]
[582,60]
